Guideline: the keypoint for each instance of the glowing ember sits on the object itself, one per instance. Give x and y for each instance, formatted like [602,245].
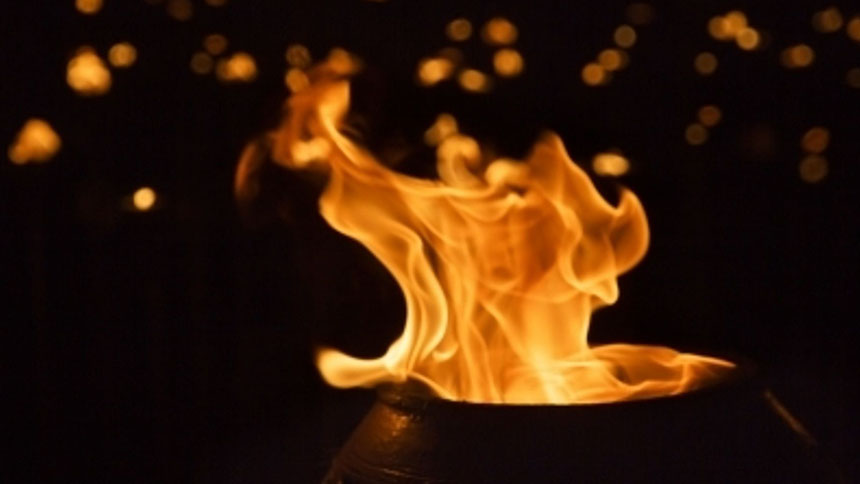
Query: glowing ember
[87,74]
[36,141]
[501,263]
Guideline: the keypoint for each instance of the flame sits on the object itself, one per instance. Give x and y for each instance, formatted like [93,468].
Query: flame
[501,263]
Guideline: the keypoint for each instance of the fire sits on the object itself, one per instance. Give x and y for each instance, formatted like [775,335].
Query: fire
[501,263]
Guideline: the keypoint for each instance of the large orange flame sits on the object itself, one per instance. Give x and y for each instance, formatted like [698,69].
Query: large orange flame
[501,263]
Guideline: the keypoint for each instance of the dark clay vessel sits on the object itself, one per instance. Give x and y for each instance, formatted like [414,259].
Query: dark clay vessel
[733,431]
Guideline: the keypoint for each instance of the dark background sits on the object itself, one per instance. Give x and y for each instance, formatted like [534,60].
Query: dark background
[176,345]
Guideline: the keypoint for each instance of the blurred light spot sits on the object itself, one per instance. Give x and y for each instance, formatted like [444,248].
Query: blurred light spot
[612,59]
[37,141]
[296,79]
[797,57]
[748,38]
[445,126]
[215,44]
[853,29]
[696,134]
[240,67]
[201,63]
[508,62]
[640,13]
[594,74]
[122,54]
[144,198]
[815,140]
[87,74]
[813,169]
[852,77]
[434,70]
[827,20]
[88,7]
[304,152]
[610,164]
[709,115]
[705,63]
[718,28]
[341,61]
[729,26]
[499,31]
[459,30]
[624,36]
[216,3]
[181,10]
[474,80]
[735,22]
[298,56]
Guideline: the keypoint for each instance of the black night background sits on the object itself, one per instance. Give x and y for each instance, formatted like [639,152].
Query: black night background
[175,343]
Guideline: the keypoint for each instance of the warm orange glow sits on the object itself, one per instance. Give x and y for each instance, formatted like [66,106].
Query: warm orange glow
[215,44]
[610,164]
[181,10]
[705,63]
[144,199]
[202,63]
[612,59]
[508,63]
[828,20]
[298,56]
[434,70]
[696,134]
[797,57]
[459,30]
[852,77]
[88,7]
[474,80]
[240,67]
[594,74]
[296,79]
[444,127]
[813,169]
[748,38]
[853,29]
[624,36]
[122,55]
[816,140]
[36,142]
[500,31]
[640,13]
[87,74]
[709,115]
[501,263]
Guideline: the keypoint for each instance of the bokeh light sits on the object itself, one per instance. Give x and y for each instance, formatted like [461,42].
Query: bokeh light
[444,126]
[88,7]
[508,62]
[705,63]
[827,21]
[815,140]
[215,44]
[202,63]
[612,59]
[813,169]
[459,30]
[709,115]
[87,74]
[696,134]
[434,70]
[624,36]
[296,79]
[240,67]
[797,56]
[36,142]
[610,164]
[853,28]
[499,31]
[594,74]
[474,80]
[748,38]
[122,55]
[144,199]
[298,56]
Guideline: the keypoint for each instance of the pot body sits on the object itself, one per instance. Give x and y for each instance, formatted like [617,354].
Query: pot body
[735,431]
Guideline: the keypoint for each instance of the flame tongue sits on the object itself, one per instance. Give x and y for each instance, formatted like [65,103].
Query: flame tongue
[501,265]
